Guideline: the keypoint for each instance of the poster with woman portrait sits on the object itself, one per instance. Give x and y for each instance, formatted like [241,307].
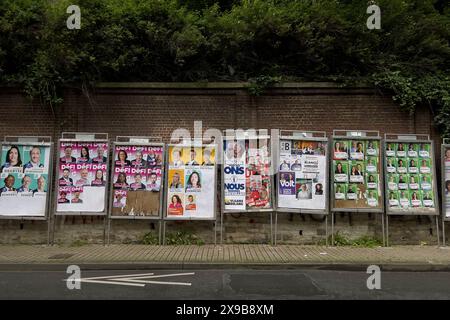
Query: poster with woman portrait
[412,177]
[191,182]
[357,174]
[24,179]
[137,179]
[303,184]
[82,176]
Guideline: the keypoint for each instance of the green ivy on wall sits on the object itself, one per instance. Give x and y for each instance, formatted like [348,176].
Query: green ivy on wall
[258,41]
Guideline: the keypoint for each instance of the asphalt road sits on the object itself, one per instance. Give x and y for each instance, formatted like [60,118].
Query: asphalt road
[224,284]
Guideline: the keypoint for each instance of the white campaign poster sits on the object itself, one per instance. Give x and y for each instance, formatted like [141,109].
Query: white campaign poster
[234,175]
[302,172]
[24,179]
[191,182]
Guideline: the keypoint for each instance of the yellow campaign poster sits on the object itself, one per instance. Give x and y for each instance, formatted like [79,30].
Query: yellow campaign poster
[192,156]
[176,179]
[208,156]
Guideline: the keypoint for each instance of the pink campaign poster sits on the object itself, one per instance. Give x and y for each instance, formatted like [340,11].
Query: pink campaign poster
[83,168]
[137,180]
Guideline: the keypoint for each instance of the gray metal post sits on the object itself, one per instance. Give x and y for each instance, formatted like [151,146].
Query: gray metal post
[382,229]
[387,230]
[108,231]
[164,233]
[271,228]
[437,231]
[326,230]
[276,228]
[221,227]
[332,228]
[443,232]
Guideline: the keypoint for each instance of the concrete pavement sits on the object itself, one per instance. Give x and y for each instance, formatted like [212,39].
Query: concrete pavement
[421,257]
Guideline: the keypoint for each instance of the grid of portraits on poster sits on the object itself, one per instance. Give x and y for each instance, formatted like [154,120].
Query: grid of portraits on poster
[83,172]
[24,179]
[137,180]
[247,179]
[191,182]
[302,174]
[356,171]
[409,174]
[446,181]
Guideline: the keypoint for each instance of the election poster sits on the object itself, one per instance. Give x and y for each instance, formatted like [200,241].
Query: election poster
[191,181]
[356,168]
[24,179]
[82,176]
[137,179]
[302,174]
[246,174]
[446,181]
[410,177]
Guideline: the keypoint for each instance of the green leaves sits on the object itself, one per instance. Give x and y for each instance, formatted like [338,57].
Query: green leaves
[242,40]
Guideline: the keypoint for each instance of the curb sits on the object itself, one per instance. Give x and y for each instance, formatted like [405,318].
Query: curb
[355,267]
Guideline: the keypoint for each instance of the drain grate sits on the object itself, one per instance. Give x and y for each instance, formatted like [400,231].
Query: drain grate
[61,256]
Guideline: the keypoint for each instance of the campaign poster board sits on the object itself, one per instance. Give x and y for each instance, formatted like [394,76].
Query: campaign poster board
[410,179]
[82,177]
[137,180]
[191,179]
[446,181]
[357,174]
[302,174]
[247,174]
[25,182]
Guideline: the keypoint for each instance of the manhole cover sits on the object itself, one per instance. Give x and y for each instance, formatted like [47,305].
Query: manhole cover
[61,256]
[274,284]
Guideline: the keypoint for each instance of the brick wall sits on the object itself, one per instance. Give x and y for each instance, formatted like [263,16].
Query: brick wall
[158,110]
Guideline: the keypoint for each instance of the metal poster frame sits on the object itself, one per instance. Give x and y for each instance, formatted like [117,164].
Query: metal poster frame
[363,135]
[411,138]
[200,143]
[45,141]
[133,141]
[83,137]
[226,136]
[315,136]
[445,145]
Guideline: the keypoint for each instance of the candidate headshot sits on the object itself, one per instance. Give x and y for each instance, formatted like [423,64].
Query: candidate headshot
[98,180]
[26,182]
[100,158]
[35,159]
[63,197]
[138,161]
[83,181]
[66,180]
[13,158]
[193,181]
[192,156]
[122,159]
[9,184]
[176,157]
[67,156]
[121,181]
[207,159]
[40,185]
[84,158]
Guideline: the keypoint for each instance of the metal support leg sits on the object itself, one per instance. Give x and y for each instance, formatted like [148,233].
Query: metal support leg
[164,232]
[53,229]
[326,230]
[105,224]
[108,232]
[437,231]
[382,229]
[49,223]
[221,227]
[159,232]
[271,228]
[443,232]
[215,232]
[276,228]
[387,230]
[332,229]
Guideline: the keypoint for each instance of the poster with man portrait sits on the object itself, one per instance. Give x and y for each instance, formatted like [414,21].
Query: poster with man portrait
[82,176]
[137,179]
[410,177]
[356,174]
[24,179]
[247,174]
[191,181]
[302,182]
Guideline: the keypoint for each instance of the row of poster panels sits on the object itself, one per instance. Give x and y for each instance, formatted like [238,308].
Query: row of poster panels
[301,184]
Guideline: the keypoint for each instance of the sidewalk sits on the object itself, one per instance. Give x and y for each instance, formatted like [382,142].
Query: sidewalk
[428,257]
